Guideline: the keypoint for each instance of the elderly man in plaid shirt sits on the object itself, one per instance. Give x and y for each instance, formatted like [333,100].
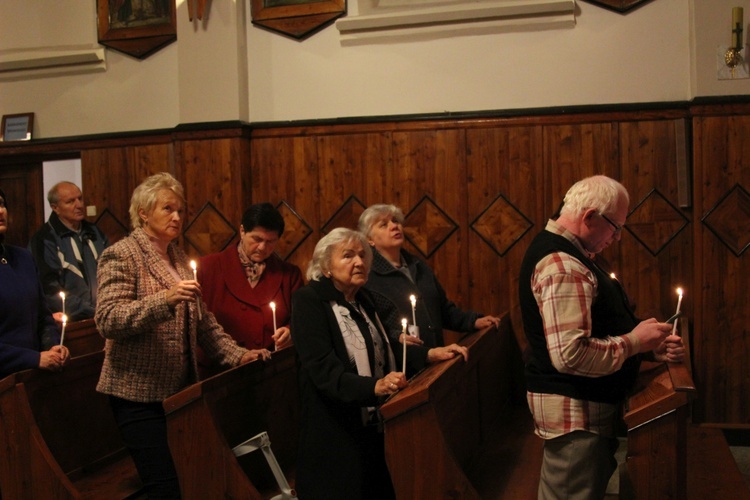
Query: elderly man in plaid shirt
[585,342]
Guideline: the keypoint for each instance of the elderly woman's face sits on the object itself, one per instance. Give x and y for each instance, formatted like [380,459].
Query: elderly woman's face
[259,243]
[386,233]
[165,220]
[3,216]
[348,267]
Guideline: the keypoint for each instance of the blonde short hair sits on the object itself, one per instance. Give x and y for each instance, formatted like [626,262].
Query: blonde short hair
[144,196]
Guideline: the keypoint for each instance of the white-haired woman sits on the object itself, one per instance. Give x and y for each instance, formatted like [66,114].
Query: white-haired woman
[347,369]
[147,310]
[397,275]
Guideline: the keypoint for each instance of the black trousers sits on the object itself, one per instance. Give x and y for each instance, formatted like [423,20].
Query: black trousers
[143,427]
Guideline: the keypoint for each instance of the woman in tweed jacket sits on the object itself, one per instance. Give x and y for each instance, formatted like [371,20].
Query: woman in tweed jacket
[148,312]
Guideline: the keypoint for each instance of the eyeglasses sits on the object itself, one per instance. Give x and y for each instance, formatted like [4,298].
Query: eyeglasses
[617,227]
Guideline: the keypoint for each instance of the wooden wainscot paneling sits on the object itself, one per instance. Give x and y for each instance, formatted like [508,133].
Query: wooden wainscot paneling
[111,174]
[722,343]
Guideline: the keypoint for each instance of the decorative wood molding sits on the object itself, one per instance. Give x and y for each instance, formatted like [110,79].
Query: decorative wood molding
[621,6]
[296,18]
[138,34]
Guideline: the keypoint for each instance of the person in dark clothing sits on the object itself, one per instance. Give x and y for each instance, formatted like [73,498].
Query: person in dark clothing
[397,274]
[585,342]
[28,334]
[66,251]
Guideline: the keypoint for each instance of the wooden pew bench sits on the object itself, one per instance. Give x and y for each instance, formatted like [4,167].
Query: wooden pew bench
[82,337]
[463,430]
[668,456]
[207,420]
[59,439]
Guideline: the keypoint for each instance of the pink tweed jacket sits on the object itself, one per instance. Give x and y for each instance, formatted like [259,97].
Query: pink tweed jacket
[150,349]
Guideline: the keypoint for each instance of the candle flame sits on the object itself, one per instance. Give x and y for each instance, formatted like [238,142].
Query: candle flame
[193,265]
[612,275]
[62,295]
[64,318]
[273,305]
[403,322]
[679,292]
[413,300]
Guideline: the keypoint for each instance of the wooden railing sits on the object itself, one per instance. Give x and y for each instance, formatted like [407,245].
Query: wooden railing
[444,430]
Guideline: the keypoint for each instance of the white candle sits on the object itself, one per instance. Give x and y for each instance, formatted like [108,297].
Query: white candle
[273,311]
[403,325]
[195,277]
[679,303]
[62,296]
[413,301]
[62,334]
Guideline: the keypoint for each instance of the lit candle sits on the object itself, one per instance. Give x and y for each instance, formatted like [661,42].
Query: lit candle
[612,275]
[195,277]
[62,296]
[679,303]
[62,334]
[403,325]
[413,301]
[273,311]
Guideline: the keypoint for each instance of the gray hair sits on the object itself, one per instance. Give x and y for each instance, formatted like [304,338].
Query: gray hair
[599,192]
[53,195]
[321,258]
[144,196]
[374,213]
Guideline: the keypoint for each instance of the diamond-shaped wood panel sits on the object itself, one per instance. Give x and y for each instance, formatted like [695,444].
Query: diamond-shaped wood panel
[346,216]
[210,231]
[427,227]
[729,220]
[501,225]
[654,222]
[111,226]
[296,230]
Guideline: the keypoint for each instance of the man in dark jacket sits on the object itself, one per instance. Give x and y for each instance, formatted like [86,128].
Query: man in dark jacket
[66,250]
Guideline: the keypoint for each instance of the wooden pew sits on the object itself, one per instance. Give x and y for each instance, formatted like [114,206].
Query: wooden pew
[463,430]
[206,420]
[59,438]
[668,456]
[82,337]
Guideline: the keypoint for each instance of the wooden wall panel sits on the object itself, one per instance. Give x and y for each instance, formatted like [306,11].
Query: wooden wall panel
[286,170]
[25,201]
[722,340]
[505,175]
[649,170]
[211,171]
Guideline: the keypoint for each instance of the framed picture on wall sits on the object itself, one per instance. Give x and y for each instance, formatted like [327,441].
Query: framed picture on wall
[296,18]
[136,27]
[17,127]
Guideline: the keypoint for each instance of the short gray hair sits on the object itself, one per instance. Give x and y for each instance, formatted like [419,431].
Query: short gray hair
[53,195]
[144,196]
[374,213]
[321,258]
[599,192]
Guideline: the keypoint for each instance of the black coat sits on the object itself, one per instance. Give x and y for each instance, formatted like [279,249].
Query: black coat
[391,290]
[339,456]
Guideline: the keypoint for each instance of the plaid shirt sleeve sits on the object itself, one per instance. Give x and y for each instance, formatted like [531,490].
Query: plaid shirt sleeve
[565,289]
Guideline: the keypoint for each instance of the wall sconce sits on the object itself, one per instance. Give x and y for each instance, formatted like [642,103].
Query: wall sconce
[733,55]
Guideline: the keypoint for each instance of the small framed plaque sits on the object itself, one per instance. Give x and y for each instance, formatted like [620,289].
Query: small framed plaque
[17,127]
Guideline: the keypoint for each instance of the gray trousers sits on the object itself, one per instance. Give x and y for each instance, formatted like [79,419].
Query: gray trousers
[577,466]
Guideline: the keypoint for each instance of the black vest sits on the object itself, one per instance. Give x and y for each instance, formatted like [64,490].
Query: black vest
[611,316]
